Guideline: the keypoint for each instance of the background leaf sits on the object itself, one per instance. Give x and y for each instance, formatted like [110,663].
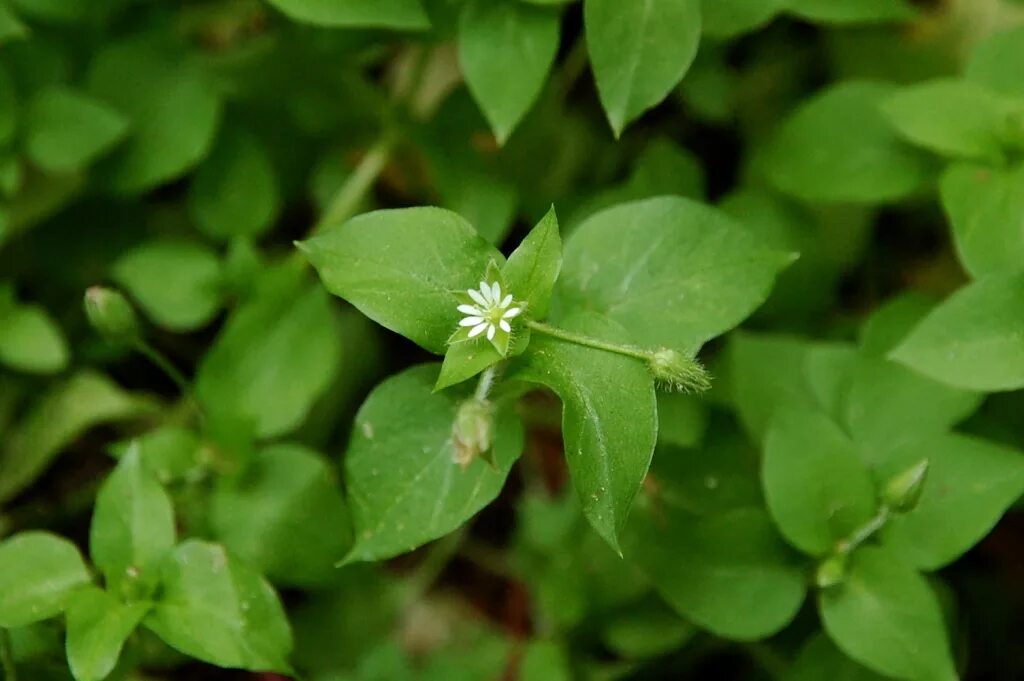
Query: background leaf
[38,574]
[97,627]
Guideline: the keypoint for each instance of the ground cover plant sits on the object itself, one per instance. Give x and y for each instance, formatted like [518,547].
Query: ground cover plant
[497,340]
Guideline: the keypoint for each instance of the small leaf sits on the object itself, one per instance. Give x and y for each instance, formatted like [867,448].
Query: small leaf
[38,574]
[275,356]
[284,515]
[61,415]
[674,272]
[998,62]
[729,18]
[532,269]
[506,50]
[404,486]
[886,616]
[820,659]
[235,191]
[132,528]
[851,11]
[639,52]
[404,269]
[67,130]
[971,125]
[217,609]
[609,417]
[466,359]
[815,485]
[970,484]
[710,569]
[395,14]
[838,147]
[177,284]
[30,340]
[97,627]
[972,340]
[985,207]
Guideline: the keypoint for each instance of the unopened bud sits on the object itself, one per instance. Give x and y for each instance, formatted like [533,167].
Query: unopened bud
[472,432]
[111,314]
[831,571]
[675,371]
[903,491]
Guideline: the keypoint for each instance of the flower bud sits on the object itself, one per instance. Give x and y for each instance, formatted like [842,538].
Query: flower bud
[111,314]
[472,432]
[676,371]
[831,571]
[903,491]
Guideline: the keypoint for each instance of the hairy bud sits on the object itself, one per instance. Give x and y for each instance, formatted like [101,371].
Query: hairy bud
[676,371]
[472,432]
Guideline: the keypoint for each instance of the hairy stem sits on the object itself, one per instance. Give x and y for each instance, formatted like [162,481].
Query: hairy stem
[590,342]
[346,200]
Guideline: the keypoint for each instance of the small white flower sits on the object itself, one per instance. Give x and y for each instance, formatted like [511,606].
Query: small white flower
[491,311]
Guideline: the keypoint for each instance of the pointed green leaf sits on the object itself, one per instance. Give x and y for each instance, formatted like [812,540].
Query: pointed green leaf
[404,269]
[38,574]
[639,51]
[506,50]
[67,130]
[395,14]
[30,339]
[97,627]
[533,268]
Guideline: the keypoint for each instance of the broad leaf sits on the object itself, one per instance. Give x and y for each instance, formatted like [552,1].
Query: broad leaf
[815,485]
[97,627]
[838,147]
[639,51]
[972,340]
[404,269]
[68,130]
[38,574]
[506,50]
[275,356]
[132,528]
[404,485]
[217,609]
[396,14]
[970,484]
[674,272]
[985,207]
[886,616]
[284,515]
[176,283]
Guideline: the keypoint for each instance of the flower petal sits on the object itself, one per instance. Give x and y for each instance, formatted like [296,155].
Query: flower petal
[477,330]
[495,292]
[512,312]
[507,301]
[471,321]
[471,310]
[490,332]
[477,298]
[505,326]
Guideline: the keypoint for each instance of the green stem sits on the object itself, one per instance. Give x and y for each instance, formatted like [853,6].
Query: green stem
[865,531]
[590,342]
[346,201]
[7,656]
[164,364]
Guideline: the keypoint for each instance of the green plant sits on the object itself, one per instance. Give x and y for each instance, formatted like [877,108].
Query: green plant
[374,339]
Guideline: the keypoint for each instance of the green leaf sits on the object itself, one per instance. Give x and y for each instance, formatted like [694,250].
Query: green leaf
[38,573]
[970,484]
[998,62]
[219,610]
[97,627]
[132,528]
[674,272]
[820,659]
[11,28]
[171,106]
[404,269]
[56,11]
[284,515]
[67,130]
[506,50]
[62,415]
[9,104]
[235,191]
[728,18]
[639,52]
[465,360]
[886,616]
[30,340]
[172,453]
[395,14]
[711,569]
[545,661]
[647,629]
[890,323]
[972,340]
[609,417]
[851,11]
[838,147]
[176,283]
[985,207]
[532,269]
[275,356]
[815,485]
[972,123]
[404,486]
[682,419]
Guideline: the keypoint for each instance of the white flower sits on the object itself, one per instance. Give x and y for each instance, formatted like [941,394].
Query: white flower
[491,311]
